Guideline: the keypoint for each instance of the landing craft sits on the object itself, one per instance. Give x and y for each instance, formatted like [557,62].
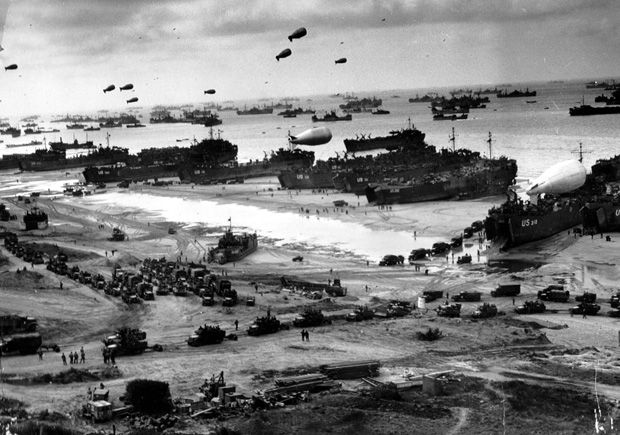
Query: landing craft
[312,136]
[284,53]
[560,178]
[210,91]
[12,66]
[341,60]
[299,33]
[132,100]
[109,89]
[126,87]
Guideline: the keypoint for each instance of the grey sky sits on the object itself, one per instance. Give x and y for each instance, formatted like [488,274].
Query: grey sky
[68,51]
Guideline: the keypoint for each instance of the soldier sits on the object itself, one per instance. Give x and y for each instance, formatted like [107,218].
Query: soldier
[40,353]
[303,334]
[307,336]
[64,359]
[113,357]
[236,325]
[82,355]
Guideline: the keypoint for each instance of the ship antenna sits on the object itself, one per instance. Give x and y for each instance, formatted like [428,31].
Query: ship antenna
[107,139]
[581,152]
[453,140]
[490,142]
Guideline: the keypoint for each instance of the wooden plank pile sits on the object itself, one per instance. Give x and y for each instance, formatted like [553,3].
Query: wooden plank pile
[310,382]
[352,369]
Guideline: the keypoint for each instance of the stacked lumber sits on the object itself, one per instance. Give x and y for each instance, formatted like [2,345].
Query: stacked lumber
[352,369]
[294,384]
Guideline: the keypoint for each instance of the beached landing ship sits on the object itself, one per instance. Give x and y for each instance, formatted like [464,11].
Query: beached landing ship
[282,159]
[475,178]
[233,247]
[48,160]
[163,162]
[409,136]
[567,189]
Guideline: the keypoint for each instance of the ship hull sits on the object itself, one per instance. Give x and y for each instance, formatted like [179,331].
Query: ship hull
[306,180]
[602,216]
[78,162]
[520,228]
[208,175]
[110,174]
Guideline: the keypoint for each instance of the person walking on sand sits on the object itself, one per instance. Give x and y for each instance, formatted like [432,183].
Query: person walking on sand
[303,335]
[64,359]
[40,353]
[236,325]
[307,335]
[82,355]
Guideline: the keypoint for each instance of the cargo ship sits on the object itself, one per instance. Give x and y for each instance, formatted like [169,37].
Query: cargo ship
[49,160]
[63,146]
[452,117]
[409,136]
[471,178]
[587,110]
[282,159]
[265,110]
[516,93]
[35,219]
[517,222]
[233,247]
[332,117]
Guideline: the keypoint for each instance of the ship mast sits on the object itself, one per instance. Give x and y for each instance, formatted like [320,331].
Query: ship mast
[490,142]
[107,139]
[453,140]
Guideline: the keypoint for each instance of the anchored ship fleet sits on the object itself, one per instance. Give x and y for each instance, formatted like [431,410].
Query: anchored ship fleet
[406,170]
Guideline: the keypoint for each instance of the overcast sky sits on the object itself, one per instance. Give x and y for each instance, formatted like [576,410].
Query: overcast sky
[171,50]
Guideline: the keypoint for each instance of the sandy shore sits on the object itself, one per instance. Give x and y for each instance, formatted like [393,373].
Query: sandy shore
[80,316]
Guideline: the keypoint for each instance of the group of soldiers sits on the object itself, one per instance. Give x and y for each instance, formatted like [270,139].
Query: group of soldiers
[109,356]
[74,358]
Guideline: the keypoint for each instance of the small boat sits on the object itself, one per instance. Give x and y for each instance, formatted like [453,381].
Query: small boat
[530,101]
[16,145]
[92,128]
[453,117]
[380,112]
[331,117]
[75,126]
[135,125]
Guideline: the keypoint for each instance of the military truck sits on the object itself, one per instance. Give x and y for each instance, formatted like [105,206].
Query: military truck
[24,344]
[12,323]
[440,248]
[485,311]
[206,334]
[392,260]
[311,317]
[587,308]
[431,295]
[130,297]
[397,308]
[531,307]
[265,325]
[230,298]
[506,290]
[586,297]
[126,341]
[360,313]
[449,310]
[465,259]
[554,293]
[417,254]
[467,297]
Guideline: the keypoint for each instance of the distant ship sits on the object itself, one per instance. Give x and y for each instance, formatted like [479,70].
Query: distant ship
[380,112]
[75,126]
[265,110]
[331,117]
[63,146]
[595,85]
[452,117]
[109,123]
[409,136]
[136,125]
[15,132]
[516,93]
[92,128]
[424,99]
[16,145]
[586,110]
